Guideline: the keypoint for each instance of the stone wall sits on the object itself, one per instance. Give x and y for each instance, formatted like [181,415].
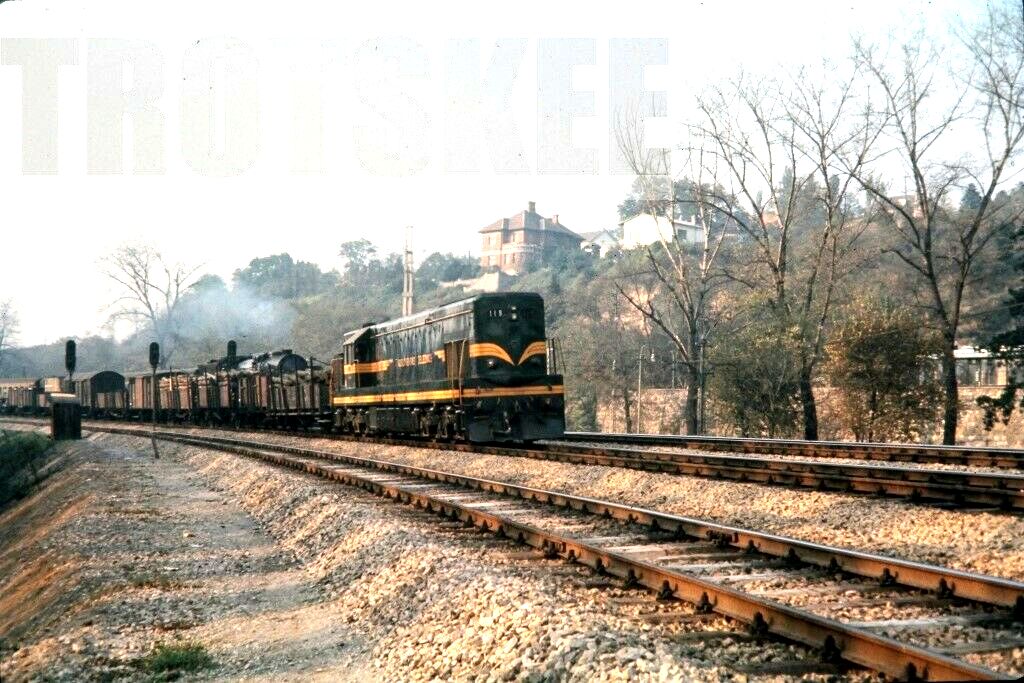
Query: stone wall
[662,413]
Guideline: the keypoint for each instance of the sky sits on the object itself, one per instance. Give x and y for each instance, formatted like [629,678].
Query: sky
[221,132]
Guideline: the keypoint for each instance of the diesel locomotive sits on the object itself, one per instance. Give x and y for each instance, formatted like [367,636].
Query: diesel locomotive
[475,369]
[480,369]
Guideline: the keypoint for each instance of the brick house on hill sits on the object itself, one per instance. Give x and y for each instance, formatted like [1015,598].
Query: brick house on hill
[513,244]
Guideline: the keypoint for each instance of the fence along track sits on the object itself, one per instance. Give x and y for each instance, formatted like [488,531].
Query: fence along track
[651,558]
[974,456]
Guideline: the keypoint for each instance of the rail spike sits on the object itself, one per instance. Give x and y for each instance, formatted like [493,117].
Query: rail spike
[831,653]
[759,627]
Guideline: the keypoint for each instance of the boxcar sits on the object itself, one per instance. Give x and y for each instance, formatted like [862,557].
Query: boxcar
[102,394]
[477,369]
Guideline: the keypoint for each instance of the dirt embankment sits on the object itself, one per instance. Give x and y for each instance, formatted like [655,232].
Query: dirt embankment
[275,575]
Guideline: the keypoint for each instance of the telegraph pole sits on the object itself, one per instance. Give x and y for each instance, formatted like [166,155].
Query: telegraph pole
[408,282]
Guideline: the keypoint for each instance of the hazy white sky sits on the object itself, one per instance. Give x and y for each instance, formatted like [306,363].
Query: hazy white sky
[400,135]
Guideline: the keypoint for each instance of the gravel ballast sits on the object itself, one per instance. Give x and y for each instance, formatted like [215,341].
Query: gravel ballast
[282,576]
[984,542]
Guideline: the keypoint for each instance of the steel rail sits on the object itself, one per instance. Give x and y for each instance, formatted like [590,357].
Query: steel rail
[833,638]
[1005,491]
[974,456]
[916,485]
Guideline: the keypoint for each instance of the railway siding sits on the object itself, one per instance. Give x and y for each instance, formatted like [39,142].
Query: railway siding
[306,579]
[853,641]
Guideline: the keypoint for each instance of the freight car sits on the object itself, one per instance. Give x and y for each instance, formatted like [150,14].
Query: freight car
[476,369]
[175,396]
[19,396]
[101,394]
[282,389]
[29,396]
[479,369]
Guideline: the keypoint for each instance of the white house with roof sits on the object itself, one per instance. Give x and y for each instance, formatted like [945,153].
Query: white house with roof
[645,229]
[600,242]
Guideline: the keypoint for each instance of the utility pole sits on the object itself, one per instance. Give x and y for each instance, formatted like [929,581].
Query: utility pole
[639,388]
[407,284]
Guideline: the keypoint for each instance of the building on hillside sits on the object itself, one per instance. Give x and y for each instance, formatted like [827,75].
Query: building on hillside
[978,367]
[601,242]
[513,244]
[493,281]
[644,229]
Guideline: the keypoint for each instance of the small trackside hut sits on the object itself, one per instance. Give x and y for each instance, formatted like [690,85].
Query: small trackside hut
[476,369]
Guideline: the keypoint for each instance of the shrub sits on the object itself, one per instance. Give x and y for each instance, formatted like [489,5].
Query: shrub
[20,454]
[167,662]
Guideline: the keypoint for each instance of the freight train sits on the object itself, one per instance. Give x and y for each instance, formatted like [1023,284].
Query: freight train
[480,369]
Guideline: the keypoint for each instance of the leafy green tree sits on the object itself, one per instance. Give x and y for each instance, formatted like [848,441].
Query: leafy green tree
[755,384]
[356,255]
[281,277]
[439,267]
[881,361]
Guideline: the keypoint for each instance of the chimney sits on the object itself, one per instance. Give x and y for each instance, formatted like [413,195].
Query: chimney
[504,224]
[532,207]
[554,219]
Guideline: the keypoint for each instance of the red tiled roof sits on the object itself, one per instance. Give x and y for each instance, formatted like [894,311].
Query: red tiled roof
[529,220]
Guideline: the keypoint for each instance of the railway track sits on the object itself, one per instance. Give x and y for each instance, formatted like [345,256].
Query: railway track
[916,484]
[954,488]
[972,456]
[907,620]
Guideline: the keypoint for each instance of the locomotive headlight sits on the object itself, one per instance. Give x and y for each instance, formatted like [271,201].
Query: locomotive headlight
[514,314]
[491,363]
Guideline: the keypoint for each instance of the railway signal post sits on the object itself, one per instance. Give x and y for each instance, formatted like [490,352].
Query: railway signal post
[154,361]
[66,412]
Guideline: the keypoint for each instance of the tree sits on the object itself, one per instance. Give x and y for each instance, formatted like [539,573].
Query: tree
[939,244]
[755,383]
[356,254]
[600,356]
[439,267]
[8,329]
[676,290]
[281,277]
[786,165]
[1010,345]
[881,361]
[151,291]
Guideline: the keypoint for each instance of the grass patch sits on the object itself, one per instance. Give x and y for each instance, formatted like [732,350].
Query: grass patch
[168,662]
[20,455]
